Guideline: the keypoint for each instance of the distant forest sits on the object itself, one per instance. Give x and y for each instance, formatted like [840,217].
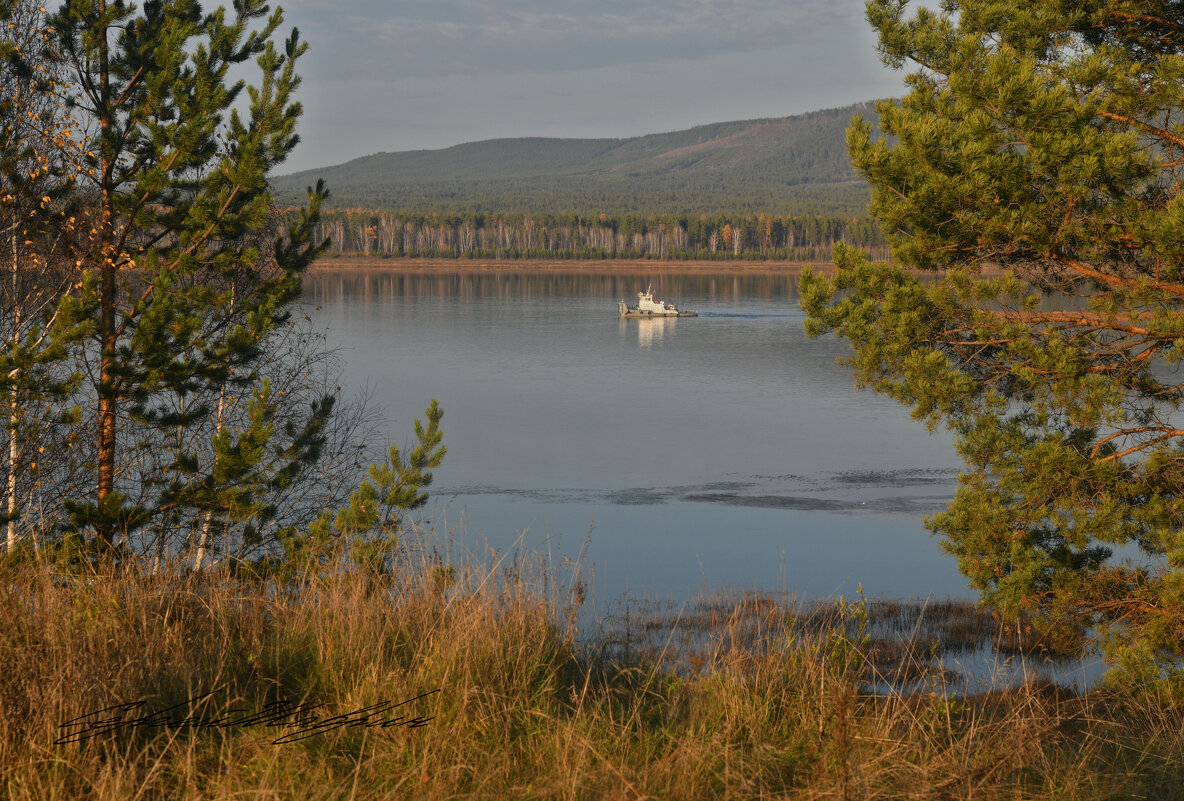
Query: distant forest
[779,189]
[507,235]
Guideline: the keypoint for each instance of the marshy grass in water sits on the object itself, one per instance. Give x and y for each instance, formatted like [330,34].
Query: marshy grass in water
[510,703]
[904,645]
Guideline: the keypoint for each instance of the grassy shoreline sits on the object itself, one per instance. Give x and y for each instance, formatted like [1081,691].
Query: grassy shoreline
[524,710]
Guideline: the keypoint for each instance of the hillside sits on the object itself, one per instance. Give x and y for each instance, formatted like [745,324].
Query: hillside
[781,165]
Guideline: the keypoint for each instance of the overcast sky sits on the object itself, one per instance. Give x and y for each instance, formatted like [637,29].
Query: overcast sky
[388,75]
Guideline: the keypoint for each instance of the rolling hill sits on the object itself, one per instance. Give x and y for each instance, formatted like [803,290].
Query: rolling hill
[781,165]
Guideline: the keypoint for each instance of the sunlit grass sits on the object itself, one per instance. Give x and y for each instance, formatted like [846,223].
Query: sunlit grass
[765,705]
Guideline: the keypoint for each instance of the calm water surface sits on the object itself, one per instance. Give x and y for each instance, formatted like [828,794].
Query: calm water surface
[681,456]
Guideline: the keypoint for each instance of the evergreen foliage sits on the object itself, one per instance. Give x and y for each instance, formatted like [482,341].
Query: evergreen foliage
[180,289]
[369,525]
[158,399]
[1044,139]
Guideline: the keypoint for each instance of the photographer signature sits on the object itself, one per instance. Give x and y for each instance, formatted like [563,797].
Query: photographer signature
[300,720]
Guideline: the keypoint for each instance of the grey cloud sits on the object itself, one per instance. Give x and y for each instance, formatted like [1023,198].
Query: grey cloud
[450,37]
[387,75]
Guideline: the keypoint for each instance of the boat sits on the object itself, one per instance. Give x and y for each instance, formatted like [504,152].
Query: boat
[648,306]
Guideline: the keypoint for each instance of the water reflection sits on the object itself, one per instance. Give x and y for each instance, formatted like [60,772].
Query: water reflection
[649,331]
[374,285]
[549,431]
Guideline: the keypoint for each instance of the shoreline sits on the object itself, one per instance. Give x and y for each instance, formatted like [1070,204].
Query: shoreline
[598,266]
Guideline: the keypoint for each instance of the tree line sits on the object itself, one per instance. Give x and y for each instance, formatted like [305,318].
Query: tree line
[501,235]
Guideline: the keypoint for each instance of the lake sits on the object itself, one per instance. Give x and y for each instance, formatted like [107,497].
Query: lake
[671,457]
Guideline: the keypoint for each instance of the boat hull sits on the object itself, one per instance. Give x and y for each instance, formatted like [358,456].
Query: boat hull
[634,314]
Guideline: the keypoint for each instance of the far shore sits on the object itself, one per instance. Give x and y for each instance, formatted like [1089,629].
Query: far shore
[628,266]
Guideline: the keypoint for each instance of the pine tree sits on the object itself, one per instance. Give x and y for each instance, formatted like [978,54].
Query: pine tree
[185,271]
[1036,164]
[370,524]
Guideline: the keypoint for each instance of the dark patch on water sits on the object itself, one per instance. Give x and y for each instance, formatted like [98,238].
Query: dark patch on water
[748,315]
[918,504]
[721,486]
[894,478]
[790,492]
[770,501]
[638,496]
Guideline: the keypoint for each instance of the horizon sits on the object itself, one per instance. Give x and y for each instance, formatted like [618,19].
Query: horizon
[620,139]
[390,77]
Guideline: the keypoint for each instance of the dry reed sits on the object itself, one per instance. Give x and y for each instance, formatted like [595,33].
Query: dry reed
[523,710]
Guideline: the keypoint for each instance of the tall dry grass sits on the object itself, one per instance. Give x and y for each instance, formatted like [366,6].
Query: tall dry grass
[523,709]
